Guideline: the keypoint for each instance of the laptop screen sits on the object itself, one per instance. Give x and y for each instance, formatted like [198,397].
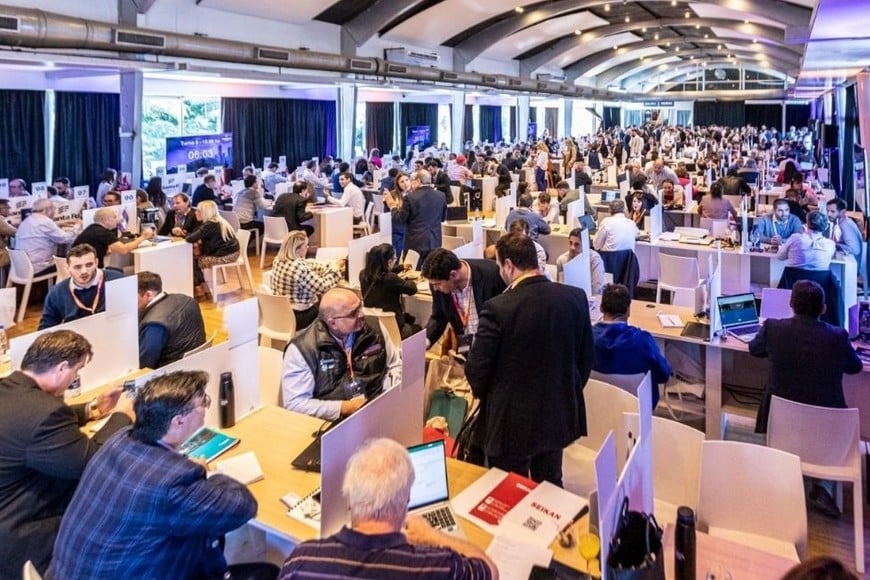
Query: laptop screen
[430,474]
[737,309]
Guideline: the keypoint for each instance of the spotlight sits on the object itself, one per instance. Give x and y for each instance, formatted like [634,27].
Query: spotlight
[519,9]
[607,7]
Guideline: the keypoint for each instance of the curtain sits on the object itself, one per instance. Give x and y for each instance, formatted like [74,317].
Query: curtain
[511,133]
[418,115]
[468,124]
[726,114]
[797,115]
[22,135]
[299,129]
[490,123]
[86,140]
[551,121]
[758,115]
[379,126]
[611,117]
[848,154]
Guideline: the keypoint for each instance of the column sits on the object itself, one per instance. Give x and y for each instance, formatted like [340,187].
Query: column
[522,117]
[131,126]
[568,117]
[457,121]
[346,111]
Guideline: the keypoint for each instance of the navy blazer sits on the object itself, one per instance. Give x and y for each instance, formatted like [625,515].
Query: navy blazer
[422,211]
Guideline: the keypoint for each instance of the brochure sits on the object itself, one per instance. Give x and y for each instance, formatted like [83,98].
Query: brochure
[207,444]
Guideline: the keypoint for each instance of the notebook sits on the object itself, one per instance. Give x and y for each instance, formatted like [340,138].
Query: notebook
[430,495]
[739,316]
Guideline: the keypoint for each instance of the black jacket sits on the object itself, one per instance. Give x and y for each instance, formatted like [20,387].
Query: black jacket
[180,316]
[291,207]
[386,293]
[190,223]
[422,211]
[441,182]
[486,282]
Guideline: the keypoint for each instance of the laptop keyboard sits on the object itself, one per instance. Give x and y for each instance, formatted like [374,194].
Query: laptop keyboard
[440,518]
[748,329]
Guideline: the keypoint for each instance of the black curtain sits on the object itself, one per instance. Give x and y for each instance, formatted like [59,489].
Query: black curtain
[490,123]
[22,135]
[850,118]
[379,126]
[797,115]
[551,121]
[418,114]
[727,114]
[299,129]
[511,134]
[611,117]
[86,140]
[468,124]
[758,115]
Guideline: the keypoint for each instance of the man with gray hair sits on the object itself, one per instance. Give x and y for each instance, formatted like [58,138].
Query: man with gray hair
[39,237]
[102,235]
[377,487]
[616,232]
[423,210]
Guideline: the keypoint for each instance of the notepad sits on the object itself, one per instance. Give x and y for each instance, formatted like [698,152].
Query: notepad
[207,444]
[670,321]
[243,468]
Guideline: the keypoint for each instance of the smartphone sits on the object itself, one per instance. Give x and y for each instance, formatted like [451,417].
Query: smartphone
[129,388]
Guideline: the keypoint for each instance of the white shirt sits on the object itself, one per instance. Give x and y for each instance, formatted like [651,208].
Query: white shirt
[809,250]
[615,233]
[39,236]
[353,198]
[542,160]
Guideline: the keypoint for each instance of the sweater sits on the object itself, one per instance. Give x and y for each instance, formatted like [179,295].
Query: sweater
[622,349]
[60,307]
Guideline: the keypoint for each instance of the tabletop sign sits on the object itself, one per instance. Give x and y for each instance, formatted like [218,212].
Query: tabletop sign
[16,204]
[81,192]
[172,185]
[4,188]
[282,163]
[181,170]
[40,190]
[267,161]
[128,196]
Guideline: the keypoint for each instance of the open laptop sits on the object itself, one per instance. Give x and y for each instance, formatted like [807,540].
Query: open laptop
[458,213]
[738,316]
[430,496]
[309,459]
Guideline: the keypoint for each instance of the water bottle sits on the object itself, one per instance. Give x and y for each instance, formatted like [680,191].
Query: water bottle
[684,544]
[227,400]
[5,356]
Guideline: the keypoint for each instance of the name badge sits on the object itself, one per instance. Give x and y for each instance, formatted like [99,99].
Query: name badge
[465,341]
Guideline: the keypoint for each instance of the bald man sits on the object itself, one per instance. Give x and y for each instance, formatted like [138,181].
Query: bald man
[339,362]
[103,235]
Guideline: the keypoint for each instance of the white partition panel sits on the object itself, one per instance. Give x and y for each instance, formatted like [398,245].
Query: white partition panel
[503,207]
[172,260]
[356,254]
[577,273]
[385,223]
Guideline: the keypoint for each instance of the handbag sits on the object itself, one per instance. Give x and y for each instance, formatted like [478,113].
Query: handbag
[465,449]
[636,550]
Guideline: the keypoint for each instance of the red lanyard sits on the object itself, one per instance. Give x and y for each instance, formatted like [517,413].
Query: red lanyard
[463,315]
[78,302]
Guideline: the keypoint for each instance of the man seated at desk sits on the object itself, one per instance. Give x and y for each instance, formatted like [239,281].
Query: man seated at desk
[575,248]
[622,349]
[843,231]
[43,452]
[292,206]
[809,250]
[352,197]
[617,232]
[206,191]
[382,540]
[102,236]
[144,510]
[776,228]
[566,195]
[537,224]
[39,237]
[80,295]
[339,362]
[548,211]
[180,220]
[169,324]
[673,195]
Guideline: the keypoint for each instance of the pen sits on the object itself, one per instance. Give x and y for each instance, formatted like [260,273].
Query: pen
[580,514]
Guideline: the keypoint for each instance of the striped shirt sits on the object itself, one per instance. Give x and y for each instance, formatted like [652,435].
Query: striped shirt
[351,554]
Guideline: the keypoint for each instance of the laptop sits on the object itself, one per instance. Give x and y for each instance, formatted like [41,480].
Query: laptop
[459,213]
[738,316]
[309,459]
[430,496]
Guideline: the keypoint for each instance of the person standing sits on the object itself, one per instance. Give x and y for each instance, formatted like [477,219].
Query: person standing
[422,212]
[531,407]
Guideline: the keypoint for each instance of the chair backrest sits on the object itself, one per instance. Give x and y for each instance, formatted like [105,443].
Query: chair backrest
[605,405]
[775,303]
[270,361]
[452,242]
[232,218]
[243,237]
[30,572]
[753,489]
[677,271]
[275,229]
[369,216]
[327,254]
[266,282]
[413,257]
[276,313]
[207,344]
[389,325]
[628,383]
[818,435]
[20,267]
[62,268]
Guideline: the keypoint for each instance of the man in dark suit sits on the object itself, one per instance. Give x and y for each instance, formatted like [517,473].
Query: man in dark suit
[460,288]
[180,220]
[292,207]
[440,179]
[42,450]
[422,211]
[531,406]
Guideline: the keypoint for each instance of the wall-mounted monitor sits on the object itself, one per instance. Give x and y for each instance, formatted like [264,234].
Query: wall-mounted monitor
[419,136]
[197,151]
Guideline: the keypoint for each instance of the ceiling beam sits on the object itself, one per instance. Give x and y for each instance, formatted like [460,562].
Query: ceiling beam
[639,77]
[367,23]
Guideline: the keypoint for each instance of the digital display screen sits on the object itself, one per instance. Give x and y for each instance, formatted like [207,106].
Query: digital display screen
[419,135]
[197,151]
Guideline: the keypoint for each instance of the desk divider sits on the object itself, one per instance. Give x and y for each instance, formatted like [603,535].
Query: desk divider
[469,251]
[503,207]
[356,254]
[655,222]
[385,223]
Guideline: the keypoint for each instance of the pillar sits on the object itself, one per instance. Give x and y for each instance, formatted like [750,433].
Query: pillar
[131,126]
[523,117]
[457,120]
[346,111]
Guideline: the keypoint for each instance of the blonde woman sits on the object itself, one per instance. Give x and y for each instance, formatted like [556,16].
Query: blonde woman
[303,280]
[214,242]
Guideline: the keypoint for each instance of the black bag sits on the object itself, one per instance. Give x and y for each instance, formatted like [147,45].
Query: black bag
[636,550]
[464,448]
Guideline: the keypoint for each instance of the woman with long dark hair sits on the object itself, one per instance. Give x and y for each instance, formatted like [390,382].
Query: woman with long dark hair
[398,193]
[383,288]
[155,192]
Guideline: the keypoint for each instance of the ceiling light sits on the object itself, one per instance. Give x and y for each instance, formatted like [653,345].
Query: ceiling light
[643,29]
[677,49]
[656,36]
[668,44]
[718,47]
[706,36]
[578,32]
[607,7]
[519,9]
[643,58]
[616,47]
[673,2]
[754,41]
[687,14]
[627,19]
[746,22]
[691,58]
[697,27]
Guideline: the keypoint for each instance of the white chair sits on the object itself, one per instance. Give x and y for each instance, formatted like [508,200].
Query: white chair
[21,272]
[233,219]
[243,236]
[680,276]
[827,442]
[389,325]
[274,233]
[753,495]
[628,383]
[277,320]
[62,269]
[605,405]
[270,361]
[676,450]
[412,257]
[457,193]
[206,345]
[452,242]
[30,572]
[266,282]
[365,226]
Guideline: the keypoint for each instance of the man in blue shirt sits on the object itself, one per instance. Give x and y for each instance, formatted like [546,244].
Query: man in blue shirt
[537,224]
[777,228]
[622,349]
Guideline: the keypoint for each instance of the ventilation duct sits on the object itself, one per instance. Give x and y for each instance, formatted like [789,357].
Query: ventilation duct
[9,23]
[139,40]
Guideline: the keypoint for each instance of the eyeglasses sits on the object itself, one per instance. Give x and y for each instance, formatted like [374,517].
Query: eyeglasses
[352,314]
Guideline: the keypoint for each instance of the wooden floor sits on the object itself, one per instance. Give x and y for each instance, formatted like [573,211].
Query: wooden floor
[826,536]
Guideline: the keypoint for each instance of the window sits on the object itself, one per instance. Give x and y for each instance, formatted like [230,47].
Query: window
[359,132]
[507,130]
[445,130]
[684,117]
[164,117]
[633,118]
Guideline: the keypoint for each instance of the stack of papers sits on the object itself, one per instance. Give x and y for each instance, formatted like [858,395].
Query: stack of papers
[670,321]
[243,468]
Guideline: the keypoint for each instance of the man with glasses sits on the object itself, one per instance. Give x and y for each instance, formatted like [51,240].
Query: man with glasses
[339,362]
[43,451]
[142,494]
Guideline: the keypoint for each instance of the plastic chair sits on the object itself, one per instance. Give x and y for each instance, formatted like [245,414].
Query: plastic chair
[21,272]
[270,361]
[62,269]
[277,321]
[233,219]
[605,405]
[389,326]
[266,282]
[753,495]
[243,236]
[365,226]
[452,242]
[274,233]
[795,428]
[676,450]
[206,345]
[628,383]
[30,572]
[679,274]
[412,257]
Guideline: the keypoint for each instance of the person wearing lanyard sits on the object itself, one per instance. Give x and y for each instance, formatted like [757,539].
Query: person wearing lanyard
[80,295]
[777,228]
[460,288]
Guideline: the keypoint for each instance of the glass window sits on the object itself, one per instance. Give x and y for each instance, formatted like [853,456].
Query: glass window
[445,130]
[161,118]
[507,130]
[359,132]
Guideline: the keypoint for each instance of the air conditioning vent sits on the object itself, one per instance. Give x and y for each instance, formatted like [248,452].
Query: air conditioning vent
[396,69]
[272,54]
[564,88]
[449,76]
[515,83]
[362,65]
[9,23]
[489,80]
[543,86]
[139,39]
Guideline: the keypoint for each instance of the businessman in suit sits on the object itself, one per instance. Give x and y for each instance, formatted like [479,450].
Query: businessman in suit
[42,449]
[532,406]
[422,212]
[292,207]
[440,179]
[181,219]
